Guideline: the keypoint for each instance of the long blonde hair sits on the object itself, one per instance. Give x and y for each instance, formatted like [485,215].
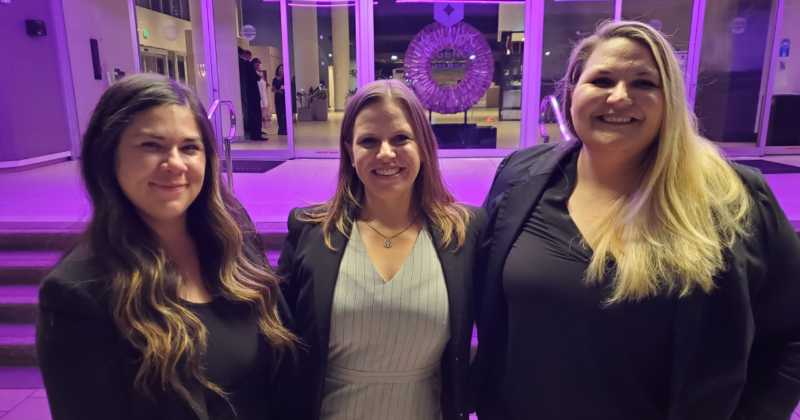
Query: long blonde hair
[438,204]
[143,294]
[671,232]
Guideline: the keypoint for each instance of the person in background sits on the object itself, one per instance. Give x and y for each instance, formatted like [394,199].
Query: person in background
[634,273]
[168,308]
[380,276]
[266,117]
[251,100]
[280,99]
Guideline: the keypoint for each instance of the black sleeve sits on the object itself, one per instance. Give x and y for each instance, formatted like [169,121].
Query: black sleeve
[289,284]
[79,356]
[772,389]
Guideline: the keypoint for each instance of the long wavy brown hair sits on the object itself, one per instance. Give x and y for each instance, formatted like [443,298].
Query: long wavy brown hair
[144,283]
[430,192]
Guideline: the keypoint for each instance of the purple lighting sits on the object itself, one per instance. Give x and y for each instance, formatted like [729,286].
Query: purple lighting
[463,1]
[321,5]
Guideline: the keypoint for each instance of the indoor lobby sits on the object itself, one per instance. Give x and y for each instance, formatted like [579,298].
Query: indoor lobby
[488,91]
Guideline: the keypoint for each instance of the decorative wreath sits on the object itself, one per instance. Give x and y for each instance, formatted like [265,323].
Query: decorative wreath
[423,49]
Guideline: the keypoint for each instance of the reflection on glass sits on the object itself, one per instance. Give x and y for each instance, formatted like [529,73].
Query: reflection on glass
[494,107]
[566,22]
[259,33]
[784,131]
[733,70]
[673,18]
[322,38]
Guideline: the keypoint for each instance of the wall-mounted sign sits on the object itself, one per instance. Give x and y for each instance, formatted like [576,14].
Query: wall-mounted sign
[248,32]
[738,25]
[784,49]
[449,67]
[170,32]
[448,14]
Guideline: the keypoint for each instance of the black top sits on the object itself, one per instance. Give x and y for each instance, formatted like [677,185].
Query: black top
[89,369]
[238,359]
[572,356]
[735,352]
[277,83]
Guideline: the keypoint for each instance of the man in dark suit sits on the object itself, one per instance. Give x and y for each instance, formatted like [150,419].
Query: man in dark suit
[251,99]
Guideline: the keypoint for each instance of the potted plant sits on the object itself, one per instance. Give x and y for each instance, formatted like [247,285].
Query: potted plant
[304,112]
[350,94]
[319,104]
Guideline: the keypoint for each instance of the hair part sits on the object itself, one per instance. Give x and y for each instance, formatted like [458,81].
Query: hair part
[430,192]
[144,285]
[670,233]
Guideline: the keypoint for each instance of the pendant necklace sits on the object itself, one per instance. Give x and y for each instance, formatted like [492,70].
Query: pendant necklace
[388,242]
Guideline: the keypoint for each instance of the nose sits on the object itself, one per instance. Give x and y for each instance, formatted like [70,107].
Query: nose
[619,95]
[174,162]
[386,151]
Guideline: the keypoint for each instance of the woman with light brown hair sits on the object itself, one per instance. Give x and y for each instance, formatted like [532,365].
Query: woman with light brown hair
[167,309]
[634,273]
[379,278]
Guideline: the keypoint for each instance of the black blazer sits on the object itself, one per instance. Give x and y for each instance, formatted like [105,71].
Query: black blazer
[311,269]
[88,368]
[736,352]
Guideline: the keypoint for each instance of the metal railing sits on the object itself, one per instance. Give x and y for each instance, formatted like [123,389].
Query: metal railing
[562,125]
[226,142]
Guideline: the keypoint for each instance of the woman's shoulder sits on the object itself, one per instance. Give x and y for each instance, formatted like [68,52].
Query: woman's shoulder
[76,282]
[477,217]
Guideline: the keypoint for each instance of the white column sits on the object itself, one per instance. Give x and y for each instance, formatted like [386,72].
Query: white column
[341,56]
[365,42]
[306,50]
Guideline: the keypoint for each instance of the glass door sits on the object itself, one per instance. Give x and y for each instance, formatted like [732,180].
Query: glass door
[464,59]
[248,50]
[780,130]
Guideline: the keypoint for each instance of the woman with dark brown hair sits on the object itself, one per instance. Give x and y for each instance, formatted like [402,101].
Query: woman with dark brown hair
[168,308]
[380,276]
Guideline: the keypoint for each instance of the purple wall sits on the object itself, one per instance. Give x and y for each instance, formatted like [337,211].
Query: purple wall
[33,118]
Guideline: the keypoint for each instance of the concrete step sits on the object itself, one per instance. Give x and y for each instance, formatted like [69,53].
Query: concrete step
[18,304]
[32,239]
[17,345]
[26,268]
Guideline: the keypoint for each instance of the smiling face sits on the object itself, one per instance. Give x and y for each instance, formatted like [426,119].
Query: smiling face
[618,102]
[161,162]
[384,151]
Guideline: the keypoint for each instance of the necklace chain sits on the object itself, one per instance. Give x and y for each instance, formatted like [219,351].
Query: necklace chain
[388,239]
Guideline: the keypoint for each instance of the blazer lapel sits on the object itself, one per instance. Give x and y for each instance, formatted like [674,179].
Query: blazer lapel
[327,263]
[453,270]
[523,193]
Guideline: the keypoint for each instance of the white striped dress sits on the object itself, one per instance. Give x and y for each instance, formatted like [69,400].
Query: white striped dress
[387,339]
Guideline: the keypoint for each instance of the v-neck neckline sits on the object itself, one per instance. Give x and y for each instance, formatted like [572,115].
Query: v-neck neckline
[372,262]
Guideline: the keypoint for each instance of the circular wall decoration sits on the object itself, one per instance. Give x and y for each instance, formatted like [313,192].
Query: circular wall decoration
[449,67]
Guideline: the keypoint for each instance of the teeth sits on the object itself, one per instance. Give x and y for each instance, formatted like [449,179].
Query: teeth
[387,172]
[606,118]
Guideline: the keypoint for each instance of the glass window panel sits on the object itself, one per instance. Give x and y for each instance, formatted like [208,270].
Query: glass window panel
[322,40]
[784,131]
[565,23]
[492,118]
[733,70]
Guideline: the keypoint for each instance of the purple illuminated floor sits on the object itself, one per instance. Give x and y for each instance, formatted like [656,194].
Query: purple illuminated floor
[52,198]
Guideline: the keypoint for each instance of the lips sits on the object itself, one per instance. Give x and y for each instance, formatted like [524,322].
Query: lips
[616,119]
[387,171]
[170,187]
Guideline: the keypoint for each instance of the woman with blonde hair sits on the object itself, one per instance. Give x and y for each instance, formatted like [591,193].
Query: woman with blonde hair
[634,273]
[167,309]
[379,278]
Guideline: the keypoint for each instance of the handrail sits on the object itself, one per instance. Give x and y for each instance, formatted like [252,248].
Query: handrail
[226,142]
[562,126]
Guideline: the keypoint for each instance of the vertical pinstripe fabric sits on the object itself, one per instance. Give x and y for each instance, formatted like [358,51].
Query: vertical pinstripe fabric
[387,339]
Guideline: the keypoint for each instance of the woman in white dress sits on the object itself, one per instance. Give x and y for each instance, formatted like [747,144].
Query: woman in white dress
[379,278]
[266,115]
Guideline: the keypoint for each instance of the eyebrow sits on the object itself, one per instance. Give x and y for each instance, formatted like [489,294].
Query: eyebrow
[639,73]
[160,137]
